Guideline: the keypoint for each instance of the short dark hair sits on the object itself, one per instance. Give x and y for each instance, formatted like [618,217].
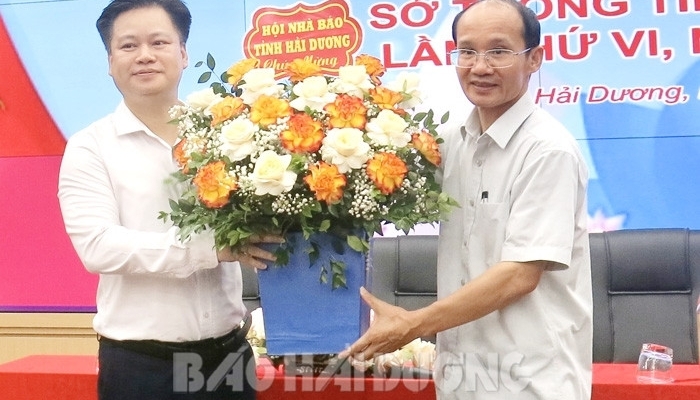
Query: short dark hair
[176,9]
[531,26]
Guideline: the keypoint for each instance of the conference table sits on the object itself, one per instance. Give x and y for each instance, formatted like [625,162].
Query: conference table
[66,377]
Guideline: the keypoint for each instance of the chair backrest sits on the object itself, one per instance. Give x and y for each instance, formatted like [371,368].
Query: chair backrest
[404,270]
[645,286]
[251,295]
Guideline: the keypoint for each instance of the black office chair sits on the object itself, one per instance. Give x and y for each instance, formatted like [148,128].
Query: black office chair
[645,287]
[404,271]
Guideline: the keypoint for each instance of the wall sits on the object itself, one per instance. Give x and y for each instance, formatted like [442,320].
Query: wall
[23,334]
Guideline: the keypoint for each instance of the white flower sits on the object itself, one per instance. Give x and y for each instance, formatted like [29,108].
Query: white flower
[258,82]
[345,148]
[407,83]
[313,93]
[270,175]
[257,324]
[383,362]
[203,99]
[388,129]
[195,144]
[256,333]
[353,80]
[422,353]
[237,138]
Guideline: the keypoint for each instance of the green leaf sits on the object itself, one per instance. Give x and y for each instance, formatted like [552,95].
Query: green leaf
[204,77]
[174,205]
[282,254]
[339,278]
[199,64]
[333,211]
[163,215]
[445,117]
[218,88]
[314,253]
[211,64]
[323,277]
[356,243]
[337,245]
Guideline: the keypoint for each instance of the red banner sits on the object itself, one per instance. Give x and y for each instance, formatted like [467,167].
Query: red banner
[324,34]
[26,128]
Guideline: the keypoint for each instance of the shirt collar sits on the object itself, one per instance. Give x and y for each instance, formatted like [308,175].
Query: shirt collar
[128,122]
[503,129]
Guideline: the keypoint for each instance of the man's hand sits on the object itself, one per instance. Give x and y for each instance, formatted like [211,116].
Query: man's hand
[251,255]
[392,328]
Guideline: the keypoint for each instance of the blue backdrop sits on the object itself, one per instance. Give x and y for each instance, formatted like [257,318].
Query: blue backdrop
[624,78]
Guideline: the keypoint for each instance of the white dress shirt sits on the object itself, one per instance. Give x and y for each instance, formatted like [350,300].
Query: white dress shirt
[522,188]
[113,183]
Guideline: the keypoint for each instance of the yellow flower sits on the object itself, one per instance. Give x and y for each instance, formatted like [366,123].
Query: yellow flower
[373,65]
[386,99]
[180,156]
[300,69]
[428,147]
[347,112]
[267,109]
[228,108]
[236,71]
[387,171]
[214,184]
[304,134]
[326,182]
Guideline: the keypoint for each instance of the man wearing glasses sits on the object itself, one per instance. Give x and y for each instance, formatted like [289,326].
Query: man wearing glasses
[514,311]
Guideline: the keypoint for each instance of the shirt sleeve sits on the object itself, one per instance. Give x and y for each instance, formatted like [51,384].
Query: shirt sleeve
[544,200]
[90,211]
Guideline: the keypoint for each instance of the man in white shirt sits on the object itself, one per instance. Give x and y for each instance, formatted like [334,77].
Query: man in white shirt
[514,311]
[168,312]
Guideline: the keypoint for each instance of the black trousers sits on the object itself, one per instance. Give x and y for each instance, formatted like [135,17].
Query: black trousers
[125,374]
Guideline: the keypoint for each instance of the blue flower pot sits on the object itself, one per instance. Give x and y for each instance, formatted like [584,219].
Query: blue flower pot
[305,316]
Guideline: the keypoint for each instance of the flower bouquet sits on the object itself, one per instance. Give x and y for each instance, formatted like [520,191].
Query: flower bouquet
[322,160]
[310,153]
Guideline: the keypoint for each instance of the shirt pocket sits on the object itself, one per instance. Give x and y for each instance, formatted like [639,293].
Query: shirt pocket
[489,231]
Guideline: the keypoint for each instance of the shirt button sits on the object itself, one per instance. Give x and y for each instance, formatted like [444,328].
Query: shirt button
[478,163]
[471,203]
[206,315]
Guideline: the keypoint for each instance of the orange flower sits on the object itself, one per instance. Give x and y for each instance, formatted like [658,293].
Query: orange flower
[228,108]
[428,147]
[386,99]
[180,156]
[214,184]
[387,171]
[326,182]
[300,69]
[347,112]
[374,67]
[236,71]
[267,109]
[303,135]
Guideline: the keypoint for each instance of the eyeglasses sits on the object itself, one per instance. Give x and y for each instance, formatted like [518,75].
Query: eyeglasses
[495,58]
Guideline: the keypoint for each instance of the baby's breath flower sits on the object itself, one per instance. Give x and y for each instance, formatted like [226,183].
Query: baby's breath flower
[290,203]
[360,202]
